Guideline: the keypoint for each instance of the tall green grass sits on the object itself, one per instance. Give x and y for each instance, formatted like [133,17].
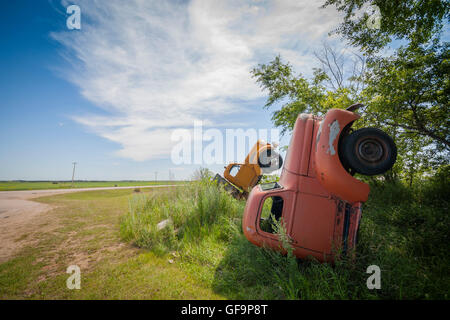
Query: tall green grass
[195,212]
[405,231]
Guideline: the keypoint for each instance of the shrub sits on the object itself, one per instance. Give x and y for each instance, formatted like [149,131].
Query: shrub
[404,230]
[193,210]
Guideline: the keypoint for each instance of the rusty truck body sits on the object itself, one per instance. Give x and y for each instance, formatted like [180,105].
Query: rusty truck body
[317,198]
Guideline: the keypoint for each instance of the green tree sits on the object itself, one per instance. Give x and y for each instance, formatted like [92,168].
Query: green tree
[202,174]
[417,120]
[412,21]
[411,92]
[406,94]
[297,93]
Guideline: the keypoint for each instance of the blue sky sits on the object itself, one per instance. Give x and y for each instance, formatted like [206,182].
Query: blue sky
[109,95]
[39,140]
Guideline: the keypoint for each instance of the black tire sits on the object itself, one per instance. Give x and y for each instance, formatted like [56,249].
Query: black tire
[280,161]
[368,151]
[263,163]
[263,158]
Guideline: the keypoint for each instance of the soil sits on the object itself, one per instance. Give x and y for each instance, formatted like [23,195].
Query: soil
[20,217]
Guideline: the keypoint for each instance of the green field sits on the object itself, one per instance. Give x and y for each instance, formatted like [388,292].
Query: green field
[202,254]
[83,229]
[40,185]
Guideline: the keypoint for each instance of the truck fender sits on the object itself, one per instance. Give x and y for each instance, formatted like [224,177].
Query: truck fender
[328,167]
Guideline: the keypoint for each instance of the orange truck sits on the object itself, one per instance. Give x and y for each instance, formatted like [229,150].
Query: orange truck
[240,178]
[317,199]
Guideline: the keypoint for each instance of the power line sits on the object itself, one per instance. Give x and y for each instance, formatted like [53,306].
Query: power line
[73,172]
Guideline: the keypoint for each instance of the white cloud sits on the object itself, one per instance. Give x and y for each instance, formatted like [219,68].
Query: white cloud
[158,65]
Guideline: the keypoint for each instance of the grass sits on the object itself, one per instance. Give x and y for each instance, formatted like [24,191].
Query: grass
[202,253]
[405,231]
[83,229]
[39,185]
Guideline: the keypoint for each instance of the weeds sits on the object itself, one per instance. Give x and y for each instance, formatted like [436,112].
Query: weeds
[195,211]
[404,231]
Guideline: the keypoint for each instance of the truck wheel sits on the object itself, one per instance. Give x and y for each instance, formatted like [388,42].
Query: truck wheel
[280,161]
[368,151]
[265,160]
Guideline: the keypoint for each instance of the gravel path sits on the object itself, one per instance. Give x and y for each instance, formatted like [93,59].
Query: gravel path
[18,213]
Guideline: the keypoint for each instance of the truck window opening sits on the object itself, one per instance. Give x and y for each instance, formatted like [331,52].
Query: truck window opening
[272,211]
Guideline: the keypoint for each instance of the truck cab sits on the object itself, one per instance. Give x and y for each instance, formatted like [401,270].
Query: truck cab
[240,178]
[317,199]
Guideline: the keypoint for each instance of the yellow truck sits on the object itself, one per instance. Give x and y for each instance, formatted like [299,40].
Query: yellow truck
[240,178]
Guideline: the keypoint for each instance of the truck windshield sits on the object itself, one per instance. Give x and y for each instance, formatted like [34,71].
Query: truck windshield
[269,186]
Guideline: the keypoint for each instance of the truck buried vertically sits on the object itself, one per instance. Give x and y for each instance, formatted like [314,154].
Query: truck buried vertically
[317,199]
[240,178]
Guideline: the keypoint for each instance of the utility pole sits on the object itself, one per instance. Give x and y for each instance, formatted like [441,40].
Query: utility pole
[156,175]
[73,173]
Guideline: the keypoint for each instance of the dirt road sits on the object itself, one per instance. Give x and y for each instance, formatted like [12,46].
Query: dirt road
[19,214]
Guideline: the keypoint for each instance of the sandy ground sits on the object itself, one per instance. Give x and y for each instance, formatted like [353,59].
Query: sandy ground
[20,216]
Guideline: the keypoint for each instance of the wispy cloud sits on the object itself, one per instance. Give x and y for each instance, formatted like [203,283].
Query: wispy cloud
[153,66]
